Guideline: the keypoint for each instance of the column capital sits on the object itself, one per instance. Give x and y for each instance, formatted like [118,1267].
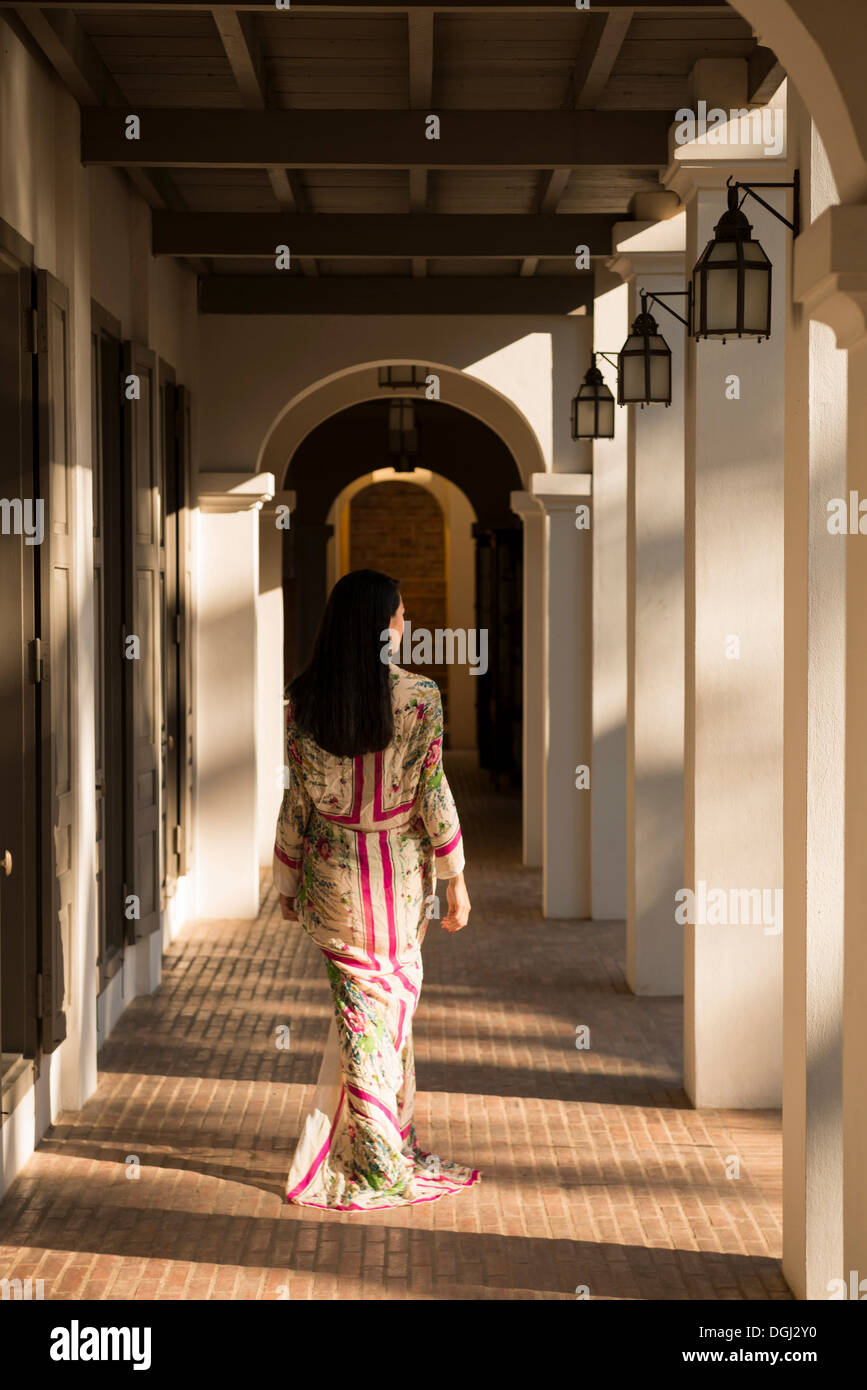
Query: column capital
[525,505]
[234,492]
[284,497]
[830,272]
[557,492]
[648,248]
[687,177]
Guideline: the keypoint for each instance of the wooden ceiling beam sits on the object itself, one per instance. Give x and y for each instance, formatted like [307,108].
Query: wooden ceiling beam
[552,186]
[764,75]
[74,57]
[376,139]
[72,54]
[599,51]
[421,50]
[244,56]
[374,294]
[314,7]
[420,24]
[351,236]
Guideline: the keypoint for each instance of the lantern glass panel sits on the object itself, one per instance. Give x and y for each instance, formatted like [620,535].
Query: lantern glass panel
[722,299]
[757,290]
[593,412]
[645,362]
[586,419]
[633,386]
[723,265]
[660,377]
[605,423]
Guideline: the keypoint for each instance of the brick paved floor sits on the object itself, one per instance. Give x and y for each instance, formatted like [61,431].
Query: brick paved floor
[595,1170]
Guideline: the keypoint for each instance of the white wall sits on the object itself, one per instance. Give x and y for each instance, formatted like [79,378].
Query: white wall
[251,368]
[89,229]
[608,778]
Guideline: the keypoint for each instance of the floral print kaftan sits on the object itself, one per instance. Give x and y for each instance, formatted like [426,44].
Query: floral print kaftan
[359,842]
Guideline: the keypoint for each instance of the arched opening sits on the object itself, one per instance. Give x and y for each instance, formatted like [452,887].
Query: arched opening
[400,528]
[463,570]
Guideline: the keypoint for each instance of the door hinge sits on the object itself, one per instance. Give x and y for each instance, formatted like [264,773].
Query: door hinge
[39,996]
[179,839]
[179,629]
[34,661]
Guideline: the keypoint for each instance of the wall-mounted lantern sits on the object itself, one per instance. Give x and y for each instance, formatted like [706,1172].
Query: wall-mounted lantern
[402,435]
[644,363]
[593,407]
[731,281]
[403,377]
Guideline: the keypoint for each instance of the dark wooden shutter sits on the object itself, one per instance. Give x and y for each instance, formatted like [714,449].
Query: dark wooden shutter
[56,616]
[109,582]
[185,604]
[20,800]
[142,617]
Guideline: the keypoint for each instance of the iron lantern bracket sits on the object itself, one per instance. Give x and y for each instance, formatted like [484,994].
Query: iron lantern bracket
[647,296]
[609,358]
[749,191]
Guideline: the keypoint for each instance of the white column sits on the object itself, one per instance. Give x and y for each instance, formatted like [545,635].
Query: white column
[533,737]
[272,538]
[608,793]
[227,860]
[567,605]
[814,716]
[831,282]
[733,762]
[651,257]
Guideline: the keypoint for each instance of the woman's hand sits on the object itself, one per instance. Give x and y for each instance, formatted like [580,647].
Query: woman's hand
[287,909]
[459,904]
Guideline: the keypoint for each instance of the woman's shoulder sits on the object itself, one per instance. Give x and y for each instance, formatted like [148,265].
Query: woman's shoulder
[418,706]
[413,683]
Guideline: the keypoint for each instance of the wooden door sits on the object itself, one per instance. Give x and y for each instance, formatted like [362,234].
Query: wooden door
[142,639]
[19,667]
[56,614]
[171,720]
[186,669]
[109,580]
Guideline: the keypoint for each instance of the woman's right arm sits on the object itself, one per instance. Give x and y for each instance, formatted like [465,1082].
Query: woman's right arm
[440,816]
[458,900]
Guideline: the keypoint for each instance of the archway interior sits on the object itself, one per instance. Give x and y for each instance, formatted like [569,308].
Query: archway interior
[461,449]
[396,526]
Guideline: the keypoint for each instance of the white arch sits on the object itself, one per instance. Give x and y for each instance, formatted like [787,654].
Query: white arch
[821,47]
[352,385]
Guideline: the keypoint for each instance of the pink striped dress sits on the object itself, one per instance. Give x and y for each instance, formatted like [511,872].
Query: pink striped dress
[359,844]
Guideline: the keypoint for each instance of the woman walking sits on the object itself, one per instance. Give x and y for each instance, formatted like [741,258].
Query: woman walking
[367,825]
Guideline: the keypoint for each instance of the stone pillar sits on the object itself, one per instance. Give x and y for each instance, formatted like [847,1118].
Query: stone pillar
[272,539]
[533,740]
[608,792]
[831,283]
[733,757]
[567,663]
[651,257]
[227,858]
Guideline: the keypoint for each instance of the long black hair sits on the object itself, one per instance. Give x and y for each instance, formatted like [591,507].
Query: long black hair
[343,697]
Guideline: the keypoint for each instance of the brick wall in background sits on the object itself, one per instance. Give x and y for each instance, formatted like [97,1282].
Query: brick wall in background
[399,528]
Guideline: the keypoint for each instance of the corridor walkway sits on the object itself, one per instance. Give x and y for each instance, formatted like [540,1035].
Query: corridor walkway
[596,1173]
